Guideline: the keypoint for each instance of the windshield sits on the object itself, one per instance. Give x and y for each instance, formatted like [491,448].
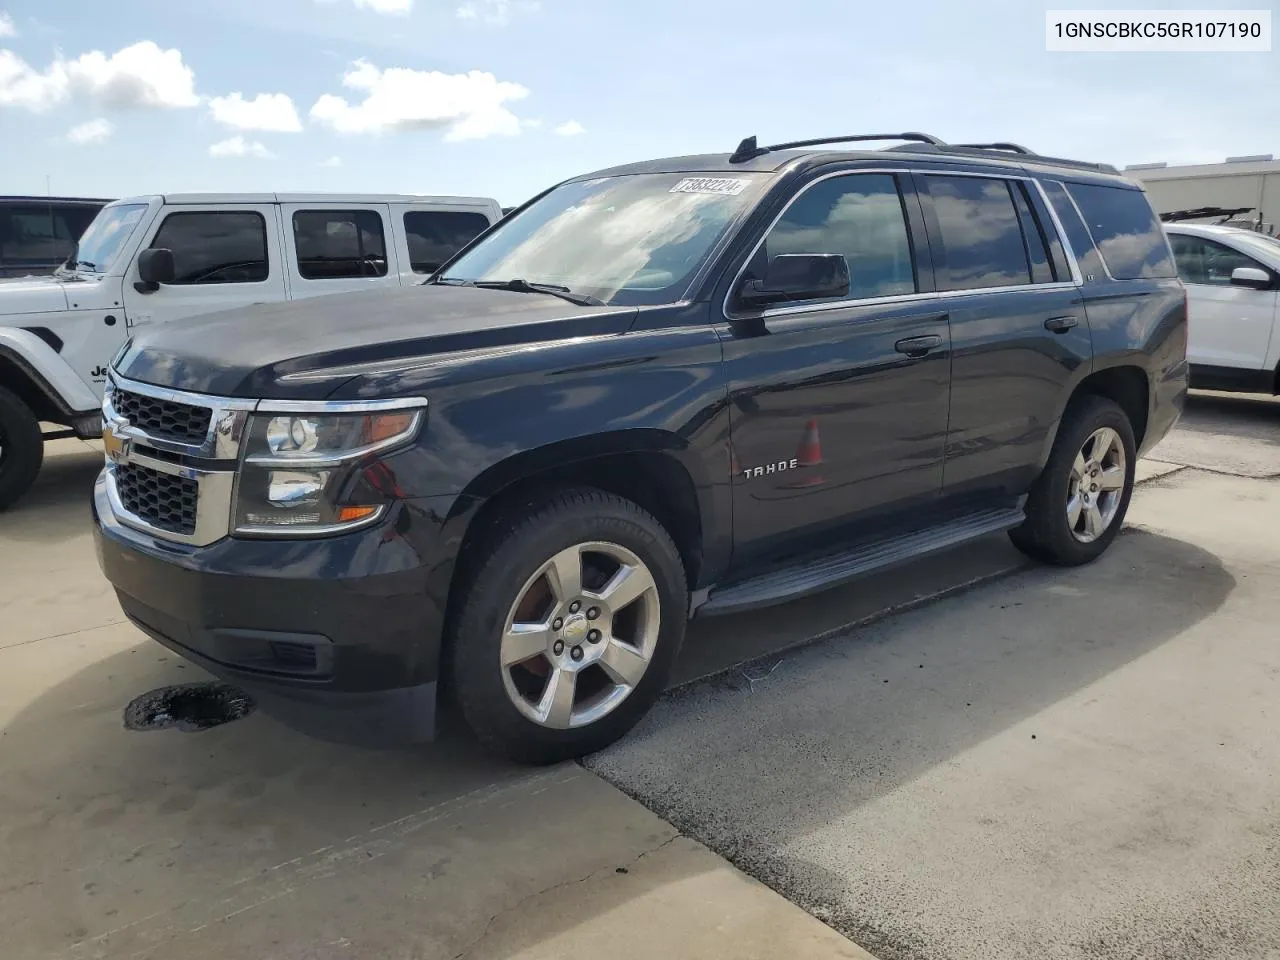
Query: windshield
[1259,243]
[624,240]
[101,243]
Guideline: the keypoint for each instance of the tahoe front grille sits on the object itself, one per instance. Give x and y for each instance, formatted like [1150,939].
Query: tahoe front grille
[160,499]
[163,419]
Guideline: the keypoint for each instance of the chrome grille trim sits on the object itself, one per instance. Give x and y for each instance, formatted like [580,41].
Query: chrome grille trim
[216,454]
[212,461]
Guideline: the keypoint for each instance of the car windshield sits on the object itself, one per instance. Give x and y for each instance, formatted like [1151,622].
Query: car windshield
[101,243]
[624,240]
[1259,244]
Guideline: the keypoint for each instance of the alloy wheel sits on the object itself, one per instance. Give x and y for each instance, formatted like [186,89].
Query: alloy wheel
[580,635]
[1097,483]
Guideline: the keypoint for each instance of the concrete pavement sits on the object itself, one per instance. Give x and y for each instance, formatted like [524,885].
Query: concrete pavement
[250,840]
[1062,764]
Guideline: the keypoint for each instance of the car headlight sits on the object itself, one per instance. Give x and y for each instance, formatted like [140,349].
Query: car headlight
[302,473]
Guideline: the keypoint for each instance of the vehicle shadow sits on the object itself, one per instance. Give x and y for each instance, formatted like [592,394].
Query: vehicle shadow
[760,759]
[118,843]
[57,505]
[1241,415]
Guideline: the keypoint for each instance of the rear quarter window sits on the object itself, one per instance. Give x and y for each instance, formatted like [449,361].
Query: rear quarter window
[1125,230]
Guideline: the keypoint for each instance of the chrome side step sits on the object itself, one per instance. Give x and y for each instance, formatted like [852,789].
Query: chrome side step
[822,573]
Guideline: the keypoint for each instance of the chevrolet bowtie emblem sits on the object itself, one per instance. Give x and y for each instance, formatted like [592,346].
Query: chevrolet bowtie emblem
[116,447]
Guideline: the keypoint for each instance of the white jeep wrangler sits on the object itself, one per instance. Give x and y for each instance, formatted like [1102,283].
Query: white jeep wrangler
[163,258]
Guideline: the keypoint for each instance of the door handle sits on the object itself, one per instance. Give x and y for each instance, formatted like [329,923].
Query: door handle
[918,346]
[1060,324]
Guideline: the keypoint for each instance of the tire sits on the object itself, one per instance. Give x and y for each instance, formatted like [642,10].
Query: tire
[21,448]
[1048,534]
[506,584]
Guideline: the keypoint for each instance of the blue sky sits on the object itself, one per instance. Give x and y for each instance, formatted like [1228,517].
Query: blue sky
[503,97]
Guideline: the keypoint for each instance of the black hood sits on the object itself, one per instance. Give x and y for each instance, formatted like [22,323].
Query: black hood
[245,352]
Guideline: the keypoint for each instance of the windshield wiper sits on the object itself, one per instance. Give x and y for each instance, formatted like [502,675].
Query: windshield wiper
[524,286]
[88,265]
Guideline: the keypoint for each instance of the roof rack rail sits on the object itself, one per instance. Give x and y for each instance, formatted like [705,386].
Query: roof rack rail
[749,149]
[1001,145]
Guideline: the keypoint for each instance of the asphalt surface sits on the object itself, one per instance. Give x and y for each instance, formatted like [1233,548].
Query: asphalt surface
[917,816]
[1061,763]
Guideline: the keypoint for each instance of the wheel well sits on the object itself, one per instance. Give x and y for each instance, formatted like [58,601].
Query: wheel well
[16,380]
[653,481]
[1128,387]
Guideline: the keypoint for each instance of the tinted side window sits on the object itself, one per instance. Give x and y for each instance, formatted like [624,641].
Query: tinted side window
[436,235]
[981,234]
[1125,230]
[216,247]
[1207,261]
[859,216]
[339,243]
[36,234]
[1032,237]
[1073,227]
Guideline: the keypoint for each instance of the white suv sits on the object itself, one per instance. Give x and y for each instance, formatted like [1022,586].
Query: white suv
[1232,278]
[161,259]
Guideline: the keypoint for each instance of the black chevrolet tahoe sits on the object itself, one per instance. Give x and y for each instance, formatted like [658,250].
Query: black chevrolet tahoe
[673,389]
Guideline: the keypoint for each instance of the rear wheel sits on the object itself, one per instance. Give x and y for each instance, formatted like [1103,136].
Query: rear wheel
[1078,504]
[21,448]
[568,627]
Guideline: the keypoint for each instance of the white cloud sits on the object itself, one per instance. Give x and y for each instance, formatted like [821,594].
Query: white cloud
[533,123]
[496,12]
[472,105]
[570,129]
[21,86]
[240,147]
[332,162]
[7,29]
[141,75]
[272,112]
[95,131]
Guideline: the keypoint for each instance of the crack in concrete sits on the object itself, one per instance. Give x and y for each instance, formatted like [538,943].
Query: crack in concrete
[488,925]
[59,636]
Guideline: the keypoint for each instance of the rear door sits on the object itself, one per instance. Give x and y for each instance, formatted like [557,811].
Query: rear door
[1231,325]
[429,234]
[1018,327]
[225,256]
[338,247]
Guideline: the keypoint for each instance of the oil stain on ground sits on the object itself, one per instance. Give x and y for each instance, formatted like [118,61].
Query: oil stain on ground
[189,707]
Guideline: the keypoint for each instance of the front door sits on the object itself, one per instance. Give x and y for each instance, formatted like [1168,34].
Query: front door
[838,410]
[224,257]
[1230,325]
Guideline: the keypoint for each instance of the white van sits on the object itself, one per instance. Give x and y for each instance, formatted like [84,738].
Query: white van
[158,259]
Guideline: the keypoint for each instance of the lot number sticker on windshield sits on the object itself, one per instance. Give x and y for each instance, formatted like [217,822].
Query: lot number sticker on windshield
[723,186]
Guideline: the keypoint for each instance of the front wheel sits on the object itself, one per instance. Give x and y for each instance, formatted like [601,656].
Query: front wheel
[21,447]
[1078,504]
[568,627]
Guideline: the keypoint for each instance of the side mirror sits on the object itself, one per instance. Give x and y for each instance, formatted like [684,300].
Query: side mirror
[1251,277]
[799,276]
[155,266]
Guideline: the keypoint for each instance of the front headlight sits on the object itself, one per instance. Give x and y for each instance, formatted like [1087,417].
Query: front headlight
[302,472]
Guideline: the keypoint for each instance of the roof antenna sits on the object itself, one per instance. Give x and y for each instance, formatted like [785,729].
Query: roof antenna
[747,150]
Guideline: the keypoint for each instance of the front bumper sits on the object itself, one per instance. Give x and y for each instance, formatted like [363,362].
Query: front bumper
[339,636]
